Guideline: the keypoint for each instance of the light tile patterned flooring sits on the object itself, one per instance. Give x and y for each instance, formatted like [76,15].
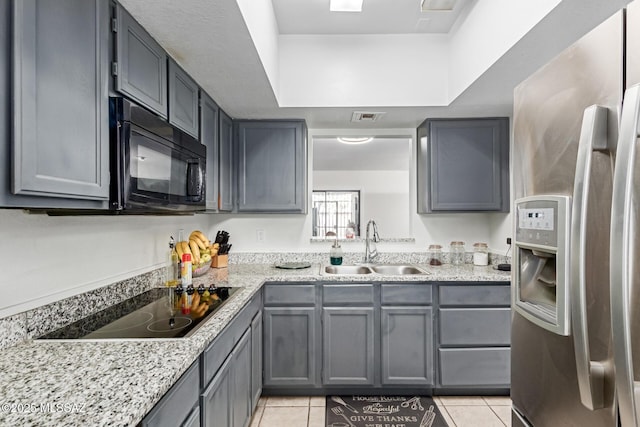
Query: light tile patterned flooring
[486,411]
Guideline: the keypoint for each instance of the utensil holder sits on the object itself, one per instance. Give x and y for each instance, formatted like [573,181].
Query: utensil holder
[220,261]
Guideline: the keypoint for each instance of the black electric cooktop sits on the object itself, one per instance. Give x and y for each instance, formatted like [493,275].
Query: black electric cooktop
[156,313]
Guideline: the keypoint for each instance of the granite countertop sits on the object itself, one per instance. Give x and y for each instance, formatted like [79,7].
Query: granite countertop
[117,382]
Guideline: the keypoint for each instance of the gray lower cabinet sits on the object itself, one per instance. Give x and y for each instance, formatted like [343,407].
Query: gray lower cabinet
[407,345]
[194,418]
[348,346]
[59,74]
[463,165]
[140,66]
[271,166]
[290,346]
[474,336]
[209,112]
[215,401]
[226,192]
[241,382]
[256,359]
[183,100]
[177,406]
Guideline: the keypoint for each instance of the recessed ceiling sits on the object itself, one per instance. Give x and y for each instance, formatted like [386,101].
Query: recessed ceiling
[382,153]
[377,17]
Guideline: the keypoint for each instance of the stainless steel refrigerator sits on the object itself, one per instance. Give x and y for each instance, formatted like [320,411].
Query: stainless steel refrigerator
[575,355]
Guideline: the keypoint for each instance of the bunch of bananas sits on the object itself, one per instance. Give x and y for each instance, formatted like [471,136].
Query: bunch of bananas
[199,247]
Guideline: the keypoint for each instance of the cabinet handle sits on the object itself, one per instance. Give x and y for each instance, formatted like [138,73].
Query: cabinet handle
[592,374]
[622,260]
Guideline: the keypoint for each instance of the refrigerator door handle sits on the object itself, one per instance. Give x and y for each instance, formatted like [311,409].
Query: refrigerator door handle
[591,374]
[621,262]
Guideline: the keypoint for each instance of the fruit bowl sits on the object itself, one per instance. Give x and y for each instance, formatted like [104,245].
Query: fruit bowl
[201,270]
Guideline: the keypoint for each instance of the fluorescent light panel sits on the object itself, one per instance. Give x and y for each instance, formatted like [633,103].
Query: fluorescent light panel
[355,140]
[345,5]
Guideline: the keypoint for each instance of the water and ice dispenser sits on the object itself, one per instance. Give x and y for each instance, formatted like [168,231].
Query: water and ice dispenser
[541,265]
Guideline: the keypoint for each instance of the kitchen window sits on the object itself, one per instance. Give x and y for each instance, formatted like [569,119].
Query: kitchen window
[336,213]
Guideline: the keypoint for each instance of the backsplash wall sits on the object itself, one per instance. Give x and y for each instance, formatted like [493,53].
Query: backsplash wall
[45,259]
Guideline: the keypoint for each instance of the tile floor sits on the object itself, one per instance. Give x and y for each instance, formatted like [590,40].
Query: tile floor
[486,411]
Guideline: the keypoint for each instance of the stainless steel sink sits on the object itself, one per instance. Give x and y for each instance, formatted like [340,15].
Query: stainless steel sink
[347,269]
[397,269]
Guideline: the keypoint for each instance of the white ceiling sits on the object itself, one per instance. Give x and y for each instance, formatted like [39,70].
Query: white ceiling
[210,39]
[377,17]
[383,153]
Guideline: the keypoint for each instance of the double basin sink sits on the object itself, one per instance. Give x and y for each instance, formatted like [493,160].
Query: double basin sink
[386,269]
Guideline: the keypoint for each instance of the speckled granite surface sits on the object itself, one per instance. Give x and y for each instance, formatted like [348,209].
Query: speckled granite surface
[116,383]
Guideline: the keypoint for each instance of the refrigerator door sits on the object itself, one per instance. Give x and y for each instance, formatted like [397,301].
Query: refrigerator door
[625,302]
[548,116]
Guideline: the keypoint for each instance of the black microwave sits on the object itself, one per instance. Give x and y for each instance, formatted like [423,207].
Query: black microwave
[155,167]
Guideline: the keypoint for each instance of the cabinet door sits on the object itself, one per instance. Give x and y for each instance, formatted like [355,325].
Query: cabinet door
[407,345]
[256,359]
[209,112]
[241,376]
[226,188]
[61,118]
[215,402]
[348,346]
[272,164]
[183,100]
[194,418]
[289,346]
[141,64]
[463,165]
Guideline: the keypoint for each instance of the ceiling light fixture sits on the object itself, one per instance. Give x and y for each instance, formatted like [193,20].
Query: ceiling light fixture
[355,140]
[438,5]
[345,5]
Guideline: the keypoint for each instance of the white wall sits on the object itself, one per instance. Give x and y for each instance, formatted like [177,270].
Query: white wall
[384,196]
[486,32]
[363,70]
[45,259]
[261,22]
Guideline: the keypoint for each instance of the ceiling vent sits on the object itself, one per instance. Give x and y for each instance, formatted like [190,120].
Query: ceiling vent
[365,116]
[442,5]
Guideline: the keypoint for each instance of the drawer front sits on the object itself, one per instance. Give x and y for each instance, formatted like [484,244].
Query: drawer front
[174,408]
[475,295]
[406,294]
[475,367]
[347,294]
[290,294]
[475,326]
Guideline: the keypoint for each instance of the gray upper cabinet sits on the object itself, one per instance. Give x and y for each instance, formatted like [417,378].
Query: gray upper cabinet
[209,113]
[271,166]
[140,66]
[183,100]
[225,187]
[463,165]
[59,102]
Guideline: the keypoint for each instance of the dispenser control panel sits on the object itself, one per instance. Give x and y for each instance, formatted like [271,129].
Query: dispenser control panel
[536,219]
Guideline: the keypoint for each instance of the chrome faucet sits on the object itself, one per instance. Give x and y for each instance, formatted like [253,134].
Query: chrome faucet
[370,250]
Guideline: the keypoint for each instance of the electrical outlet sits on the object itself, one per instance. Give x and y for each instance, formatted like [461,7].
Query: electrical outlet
[260,235]
[508,240]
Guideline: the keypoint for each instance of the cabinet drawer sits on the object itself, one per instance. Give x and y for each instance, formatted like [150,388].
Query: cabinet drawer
[475,295]
[347,294]
[291,294]
[174,408]
[405,294]
[475,326]
[481,367]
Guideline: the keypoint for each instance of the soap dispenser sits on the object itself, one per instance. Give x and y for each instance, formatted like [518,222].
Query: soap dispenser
[335,255]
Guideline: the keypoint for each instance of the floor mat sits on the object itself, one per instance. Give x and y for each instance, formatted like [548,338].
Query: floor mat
[383,411]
